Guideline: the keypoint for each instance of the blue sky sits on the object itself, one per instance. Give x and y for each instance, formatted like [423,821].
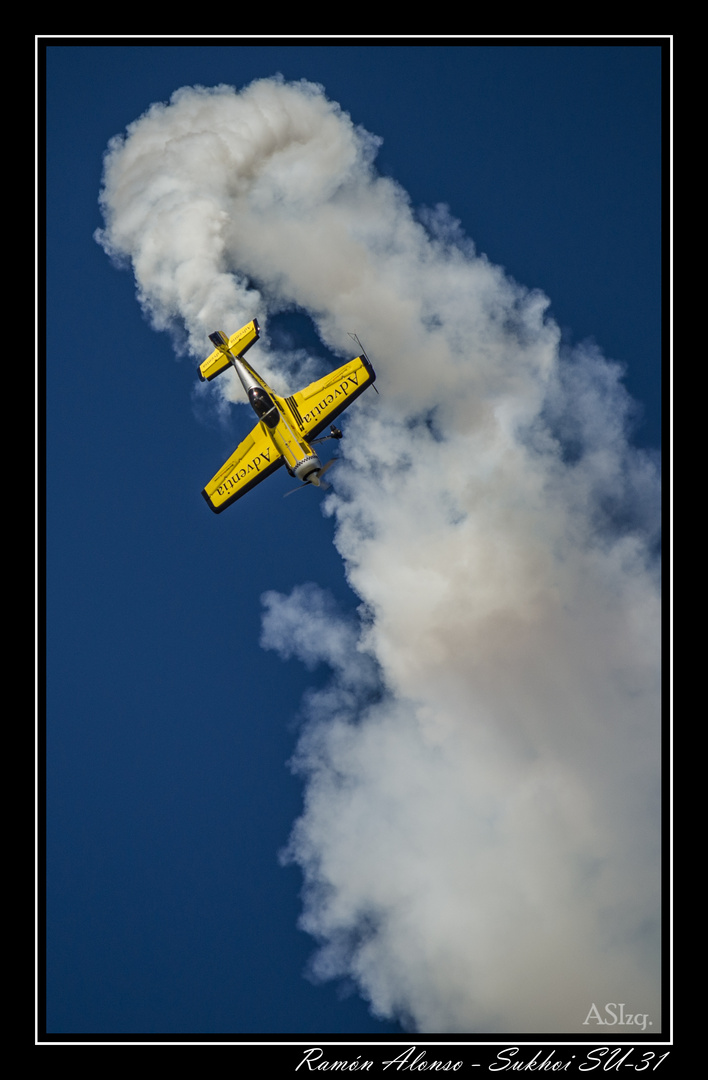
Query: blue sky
[169,727]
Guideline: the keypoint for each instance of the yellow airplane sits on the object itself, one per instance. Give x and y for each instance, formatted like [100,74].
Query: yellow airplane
[286,427]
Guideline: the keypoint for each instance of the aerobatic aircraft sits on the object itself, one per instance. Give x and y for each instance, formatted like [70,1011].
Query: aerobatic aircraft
[287,427]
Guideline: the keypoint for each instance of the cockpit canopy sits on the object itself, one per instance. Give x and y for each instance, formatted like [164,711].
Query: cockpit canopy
[263,406]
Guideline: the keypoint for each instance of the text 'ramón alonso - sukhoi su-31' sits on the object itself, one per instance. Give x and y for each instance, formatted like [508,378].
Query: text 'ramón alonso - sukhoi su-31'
[286,427]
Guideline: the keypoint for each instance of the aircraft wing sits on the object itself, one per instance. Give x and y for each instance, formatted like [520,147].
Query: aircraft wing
[315,407]
[254,459]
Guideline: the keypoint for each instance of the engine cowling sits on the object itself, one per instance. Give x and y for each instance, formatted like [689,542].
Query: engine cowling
[305,468]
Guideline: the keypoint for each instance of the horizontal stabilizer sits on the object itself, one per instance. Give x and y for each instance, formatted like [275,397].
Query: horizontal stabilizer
[226,348]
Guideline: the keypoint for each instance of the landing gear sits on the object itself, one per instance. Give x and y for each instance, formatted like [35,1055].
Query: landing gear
[334,433]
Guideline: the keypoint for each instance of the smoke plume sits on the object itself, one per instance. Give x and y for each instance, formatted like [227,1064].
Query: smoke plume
[480,837]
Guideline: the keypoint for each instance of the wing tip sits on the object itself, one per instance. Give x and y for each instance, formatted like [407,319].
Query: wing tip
[210,504]
[369,366]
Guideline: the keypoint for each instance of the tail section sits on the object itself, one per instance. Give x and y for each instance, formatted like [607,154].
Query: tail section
[228,348]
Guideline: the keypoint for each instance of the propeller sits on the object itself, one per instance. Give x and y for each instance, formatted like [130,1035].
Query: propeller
[309,483]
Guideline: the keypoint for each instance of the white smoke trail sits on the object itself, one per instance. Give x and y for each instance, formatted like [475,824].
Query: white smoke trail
[481,825]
